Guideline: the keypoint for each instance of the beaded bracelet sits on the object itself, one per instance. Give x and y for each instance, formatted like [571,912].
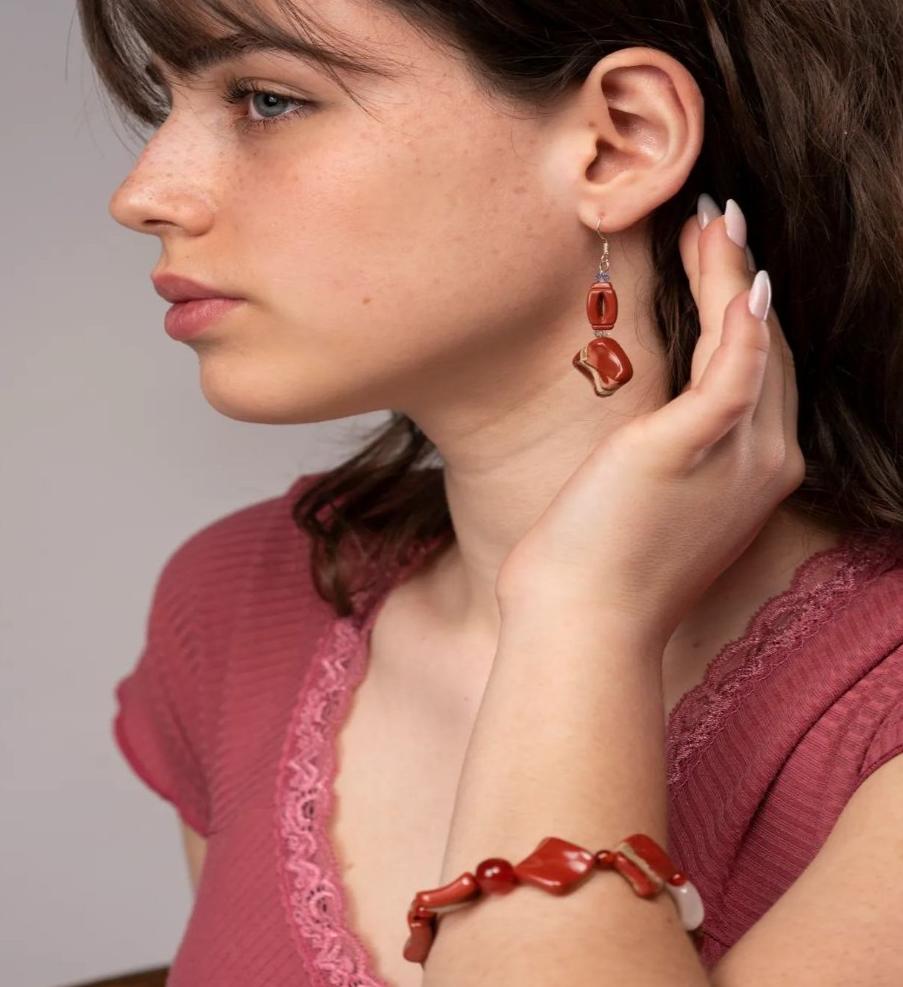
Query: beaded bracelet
[557,866]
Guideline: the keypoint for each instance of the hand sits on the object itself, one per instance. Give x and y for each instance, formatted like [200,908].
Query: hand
[668,501]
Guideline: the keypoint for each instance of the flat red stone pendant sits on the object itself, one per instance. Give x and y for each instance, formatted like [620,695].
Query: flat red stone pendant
[555,865]
[605,363]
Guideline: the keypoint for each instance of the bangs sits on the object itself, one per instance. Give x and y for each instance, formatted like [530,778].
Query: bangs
[122,35]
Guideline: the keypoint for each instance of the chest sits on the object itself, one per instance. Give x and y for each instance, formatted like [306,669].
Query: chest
[399,753]
[398,765]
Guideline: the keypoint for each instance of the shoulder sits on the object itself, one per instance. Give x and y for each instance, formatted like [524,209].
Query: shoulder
[229,554]
[827,929]
[243,526]
[252,559]
[232,599]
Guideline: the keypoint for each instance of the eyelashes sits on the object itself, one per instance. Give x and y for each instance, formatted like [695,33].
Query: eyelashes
[239,90]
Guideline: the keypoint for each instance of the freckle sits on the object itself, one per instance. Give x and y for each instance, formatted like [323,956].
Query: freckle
[365,301]
[519,189]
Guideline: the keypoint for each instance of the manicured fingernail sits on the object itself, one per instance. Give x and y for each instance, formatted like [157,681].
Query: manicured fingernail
[760,295]
[706,210]
[735,223]
[750,261]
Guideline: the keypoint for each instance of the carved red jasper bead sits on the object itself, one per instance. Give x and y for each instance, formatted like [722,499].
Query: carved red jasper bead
[602,305]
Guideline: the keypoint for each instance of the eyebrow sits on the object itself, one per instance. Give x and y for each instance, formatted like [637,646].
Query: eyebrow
[206,56]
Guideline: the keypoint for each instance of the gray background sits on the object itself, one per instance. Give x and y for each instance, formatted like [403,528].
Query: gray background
[111,457]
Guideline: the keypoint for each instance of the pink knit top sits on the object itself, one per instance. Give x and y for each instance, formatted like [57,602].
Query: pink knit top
[232,710]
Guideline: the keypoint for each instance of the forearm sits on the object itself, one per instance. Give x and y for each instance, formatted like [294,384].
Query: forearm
[568,741]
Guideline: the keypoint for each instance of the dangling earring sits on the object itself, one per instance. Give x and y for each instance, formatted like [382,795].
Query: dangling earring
[602,360]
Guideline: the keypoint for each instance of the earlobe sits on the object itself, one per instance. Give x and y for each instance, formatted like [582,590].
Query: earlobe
[645,117]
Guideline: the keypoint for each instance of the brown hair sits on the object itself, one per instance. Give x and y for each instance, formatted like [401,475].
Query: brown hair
[803,104]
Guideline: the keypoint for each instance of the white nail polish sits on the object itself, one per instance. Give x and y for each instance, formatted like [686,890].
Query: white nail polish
[735,223]
[760,295]
[750,261]
[706,210]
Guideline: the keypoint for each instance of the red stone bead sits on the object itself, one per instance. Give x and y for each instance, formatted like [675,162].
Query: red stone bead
[555,865]
[462,888]
[639,880]
[653,854]
[417,947]
[602,305]
[605,859]
[605,364]
[496,876]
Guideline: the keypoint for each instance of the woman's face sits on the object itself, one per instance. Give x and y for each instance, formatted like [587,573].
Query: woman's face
[399,259]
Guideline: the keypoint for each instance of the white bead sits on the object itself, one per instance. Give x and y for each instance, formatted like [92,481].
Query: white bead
[689,904]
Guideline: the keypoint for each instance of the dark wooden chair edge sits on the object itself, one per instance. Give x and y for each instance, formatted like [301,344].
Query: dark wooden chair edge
[155,977]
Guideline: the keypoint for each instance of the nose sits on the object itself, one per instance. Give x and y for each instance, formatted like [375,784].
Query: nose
[165,191]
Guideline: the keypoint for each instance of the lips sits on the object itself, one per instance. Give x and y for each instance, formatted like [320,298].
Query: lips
[175,288]
[186,320]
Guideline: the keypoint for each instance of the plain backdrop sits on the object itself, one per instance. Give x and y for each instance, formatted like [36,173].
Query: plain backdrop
[111,457]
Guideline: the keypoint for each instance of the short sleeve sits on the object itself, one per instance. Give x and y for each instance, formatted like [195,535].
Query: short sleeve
[886,743]
[158,720]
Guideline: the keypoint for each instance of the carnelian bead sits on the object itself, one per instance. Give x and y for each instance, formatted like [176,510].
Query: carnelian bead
[602,305]
[462,888]
[417,947]
[496,876]
[604,362]
[642,884]
[652,854]
[605,859]
[555,865]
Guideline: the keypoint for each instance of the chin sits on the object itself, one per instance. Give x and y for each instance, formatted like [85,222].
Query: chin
[265,399]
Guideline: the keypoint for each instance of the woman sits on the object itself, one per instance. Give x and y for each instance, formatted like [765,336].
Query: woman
[675,612]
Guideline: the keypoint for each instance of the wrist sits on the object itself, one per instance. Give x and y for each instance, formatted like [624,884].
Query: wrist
[546,617]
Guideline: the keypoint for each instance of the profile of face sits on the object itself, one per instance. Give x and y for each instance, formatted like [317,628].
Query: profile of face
[427,245]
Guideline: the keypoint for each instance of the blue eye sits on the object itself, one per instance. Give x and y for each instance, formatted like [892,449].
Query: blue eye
[237,92]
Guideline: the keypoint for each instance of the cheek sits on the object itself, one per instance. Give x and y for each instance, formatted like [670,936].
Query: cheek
[376,267]
[419,231]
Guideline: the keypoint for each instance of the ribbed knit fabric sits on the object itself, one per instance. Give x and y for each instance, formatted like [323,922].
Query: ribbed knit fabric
[232,711]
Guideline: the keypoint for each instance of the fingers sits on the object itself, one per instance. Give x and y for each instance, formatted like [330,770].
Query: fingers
[744,374]
[717,268]
[733,383]
[716,257]
[777,407]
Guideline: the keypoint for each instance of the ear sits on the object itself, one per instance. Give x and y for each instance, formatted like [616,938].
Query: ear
[634,136]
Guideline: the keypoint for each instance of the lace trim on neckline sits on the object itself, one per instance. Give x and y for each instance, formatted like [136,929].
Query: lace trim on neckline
[313,895]
[822,585]
[312,892]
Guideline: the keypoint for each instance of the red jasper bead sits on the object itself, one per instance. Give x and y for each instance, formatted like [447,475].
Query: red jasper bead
[602,305]
[555,865]
[423,931]
[603,361]
[462,888]
[605,859]
[654,855]
[639,880]
[496,876]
